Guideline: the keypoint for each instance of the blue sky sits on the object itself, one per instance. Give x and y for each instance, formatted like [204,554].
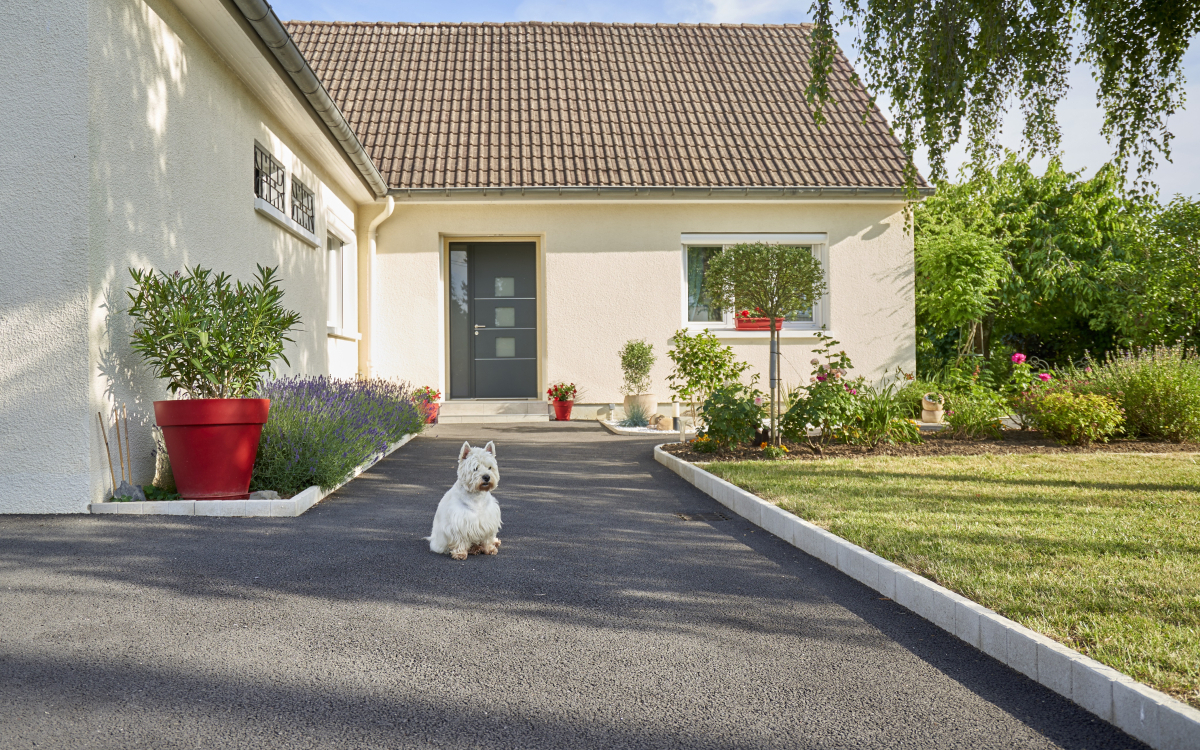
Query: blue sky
[1083,146]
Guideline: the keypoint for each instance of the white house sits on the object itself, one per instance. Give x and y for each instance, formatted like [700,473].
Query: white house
[484,208]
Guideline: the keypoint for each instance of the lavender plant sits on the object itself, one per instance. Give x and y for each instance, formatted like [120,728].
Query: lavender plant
[321,428]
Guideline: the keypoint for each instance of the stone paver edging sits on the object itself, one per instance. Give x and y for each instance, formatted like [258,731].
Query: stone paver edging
[289,508]
[1149,715]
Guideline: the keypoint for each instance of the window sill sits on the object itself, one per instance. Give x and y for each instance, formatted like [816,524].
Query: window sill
[787,334]
[341,333]
[277,216]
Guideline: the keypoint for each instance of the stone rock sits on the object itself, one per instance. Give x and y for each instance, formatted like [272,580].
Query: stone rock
[264,495]
[125,489]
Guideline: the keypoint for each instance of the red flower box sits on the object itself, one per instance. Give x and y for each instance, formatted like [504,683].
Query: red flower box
[757,324]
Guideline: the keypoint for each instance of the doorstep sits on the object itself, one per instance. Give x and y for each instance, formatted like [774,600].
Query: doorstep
[289,508]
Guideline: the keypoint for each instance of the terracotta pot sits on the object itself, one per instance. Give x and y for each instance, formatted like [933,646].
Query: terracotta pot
[648,402]
[431,410]
[562,410]
[929,405]
[212,443]
[756,324]
[932,416]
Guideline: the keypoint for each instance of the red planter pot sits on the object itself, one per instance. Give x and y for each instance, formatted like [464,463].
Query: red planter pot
[431,412]
[562,410]
[757,324]
[212,443]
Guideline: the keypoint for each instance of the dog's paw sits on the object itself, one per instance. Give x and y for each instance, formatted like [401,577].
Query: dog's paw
[458,554]
[475,549]
[497,542]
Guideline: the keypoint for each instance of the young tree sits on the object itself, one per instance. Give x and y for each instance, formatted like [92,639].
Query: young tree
[774,280]
[702,365]
[959,271]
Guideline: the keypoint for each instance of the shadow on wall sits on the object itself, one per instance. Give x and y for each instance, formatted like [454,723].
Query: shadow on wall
[171,153]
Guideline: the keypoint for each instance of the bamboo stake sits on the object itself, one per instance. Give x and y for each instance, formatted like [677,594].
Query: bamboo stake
[128,450]
[104,431]
[120,453]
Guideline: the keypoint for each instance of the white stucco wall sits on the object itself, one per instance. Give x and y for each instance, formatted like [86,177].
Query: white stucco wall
[139,153]
[613,272]
[44,443]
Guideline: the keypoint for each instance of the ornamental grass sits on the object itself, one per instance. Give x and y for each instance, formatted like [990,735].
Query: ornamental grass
[321,428]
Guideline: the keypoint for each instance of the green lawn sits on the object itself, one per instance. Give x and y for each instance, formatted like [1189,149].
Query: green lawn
[1098,551]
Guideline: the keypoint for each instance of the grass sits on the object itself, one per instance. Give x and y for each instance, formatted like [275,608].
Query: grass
[1100,552]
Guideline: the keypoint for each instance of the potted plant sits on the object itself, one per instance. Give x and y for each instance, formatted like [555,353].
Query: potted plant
[563,396]
[744,321]
[427,398]
[637,359]
[213,342]
[931,407]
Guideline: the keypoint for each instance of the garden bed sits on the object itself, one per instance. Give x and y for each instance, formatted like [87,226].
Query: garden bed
[1096,551]
[935,444]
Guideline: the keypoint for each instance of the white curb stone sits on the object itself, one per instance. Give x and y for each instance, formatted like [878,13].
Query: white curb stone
[289,508]
[1147,714]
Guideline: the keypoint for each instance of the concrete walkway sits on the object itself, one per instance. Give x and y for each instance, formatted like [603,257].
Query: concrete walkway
[606,621]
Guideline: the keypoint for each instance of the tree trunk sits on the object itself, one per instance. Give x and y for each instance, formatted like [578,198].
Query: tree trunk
[773,374]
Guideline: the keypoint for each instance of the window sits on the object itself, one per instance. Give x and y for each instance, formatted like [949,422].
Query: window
[334,255]
[268,178]
[700,312]
[303,210]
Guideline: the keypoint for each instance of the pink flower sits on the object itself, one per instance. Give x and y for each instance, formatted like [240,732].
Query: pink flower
[1018,358]
[821,378]
[1044,376]
[853,391]
[1087,369]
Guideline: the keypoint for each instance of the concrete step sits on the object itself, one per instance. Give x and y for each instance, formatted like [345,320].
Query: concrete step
[482,411]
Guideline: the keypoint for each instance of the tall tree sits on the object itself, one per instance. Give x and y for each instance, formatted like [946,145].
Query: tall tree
[945,61]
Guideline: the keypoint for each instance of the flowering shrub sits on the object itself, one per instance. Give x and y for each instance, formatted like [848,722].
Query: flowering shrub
[1157,389]
[320,429]
[829,401]
[1077,419]
[562,392]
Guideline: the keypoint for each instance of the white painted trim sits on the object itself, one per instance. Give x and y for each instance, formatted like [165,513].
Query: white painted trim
[285,221]
[734,238]
[1149,715]
[289,508]
[340,229]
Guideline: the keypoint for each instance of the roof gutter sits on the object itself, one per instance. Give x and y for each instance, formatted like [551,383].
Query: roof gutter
[272,33]
[655,192]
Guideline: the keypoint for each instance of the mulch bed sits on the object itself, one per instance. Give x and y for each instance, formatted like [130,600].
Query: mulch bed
[936,444]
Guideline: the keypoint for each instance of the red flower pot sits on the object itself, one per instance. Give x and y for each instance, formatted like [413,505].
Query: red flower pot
[757,324]
[562,410]
[212,443]
[431,409]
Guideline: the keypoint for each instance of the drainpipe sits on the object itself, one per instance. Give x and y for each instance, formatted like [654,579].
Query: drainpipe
[366,290]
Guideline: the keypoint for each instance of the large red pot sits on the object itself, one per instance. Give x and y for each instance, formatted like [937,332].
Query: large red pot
[562,410]
[431,409]
[212,443]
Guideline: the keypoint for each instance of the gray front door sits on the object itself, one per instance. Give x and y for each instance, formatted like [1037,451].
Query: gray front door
[493,320]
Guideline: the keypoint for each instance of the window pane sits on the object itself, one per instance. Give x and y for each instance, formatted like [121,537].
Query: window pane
[700,310]
[506,347]
[801,316]
[504,286]
[506,317]
[461,330]
[303,210]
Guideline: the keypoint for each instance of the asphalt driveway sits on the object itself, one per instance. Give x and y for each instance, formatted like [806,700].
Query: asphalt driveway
[605,621]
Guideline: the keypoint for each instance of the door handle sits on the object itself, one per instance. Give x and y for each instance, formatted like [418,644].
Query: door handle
[477,325]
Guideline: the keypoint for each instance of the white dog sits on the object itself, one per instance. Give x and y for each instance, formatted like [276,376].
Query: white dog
[468,518]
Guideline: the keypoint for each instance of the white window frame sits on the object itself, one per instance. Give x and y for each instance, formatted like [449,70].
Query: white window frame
[335,228]
[819,242]
[335,268]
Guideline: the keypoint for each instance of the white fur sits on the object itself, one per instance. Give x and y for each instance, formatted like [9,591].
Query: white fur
[468,517]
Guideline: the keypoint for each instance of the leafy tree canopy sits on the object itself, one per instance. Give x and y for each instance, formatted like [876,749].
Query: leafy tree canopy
[944,62]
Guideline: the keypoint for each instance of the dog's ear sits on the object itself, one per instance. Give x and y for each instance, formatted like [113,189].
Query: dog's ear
[490,447]
[466,451]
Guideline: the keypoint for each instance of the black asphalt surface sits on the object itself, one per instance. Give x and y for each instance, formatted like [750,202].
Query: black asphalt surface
[606,621]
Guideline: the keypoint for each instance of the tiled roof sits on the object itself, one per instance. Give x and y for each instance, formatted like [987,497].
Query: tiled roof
[588,104]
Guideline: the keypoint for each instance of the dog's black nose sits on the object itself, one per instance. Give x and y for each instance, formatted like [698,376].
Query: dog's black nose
[487,477]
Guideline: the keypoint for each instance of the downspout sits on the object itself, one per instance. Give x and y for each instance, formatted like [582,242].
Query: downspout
[366,290]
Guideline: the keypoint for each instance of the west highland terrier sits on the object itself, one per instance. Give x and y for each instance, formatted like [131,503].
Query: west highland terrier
[468,518]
